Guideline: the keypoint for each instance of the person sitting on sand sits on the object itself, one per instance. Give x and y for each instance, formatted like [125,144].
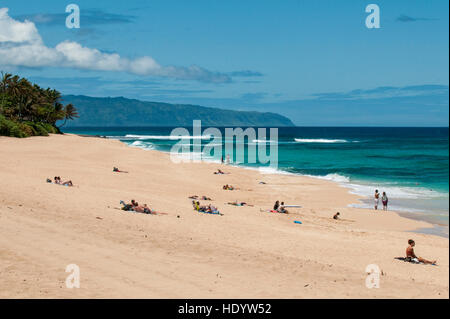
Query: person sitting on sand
[336,216]
[282,209]
[197,206]
[411,256]
[277,205]
[229,187]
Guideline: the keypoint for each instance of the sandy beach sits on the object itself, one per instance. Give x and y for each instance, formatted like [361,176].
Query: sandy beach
[245,253]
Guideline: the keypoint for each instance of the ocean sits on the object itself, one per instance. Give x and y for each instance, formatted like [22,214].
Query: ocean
[410,164]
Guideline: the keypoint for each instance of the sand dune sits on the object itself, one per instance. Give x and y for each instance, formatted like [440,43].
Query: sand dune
[243,254]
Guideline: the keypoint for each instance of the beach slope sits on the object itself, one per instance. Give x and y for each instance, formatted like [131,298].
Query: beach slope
[245,253]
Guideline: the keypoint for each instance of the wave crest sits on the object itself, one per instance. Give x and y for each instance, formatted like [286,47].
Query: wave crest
[318,140]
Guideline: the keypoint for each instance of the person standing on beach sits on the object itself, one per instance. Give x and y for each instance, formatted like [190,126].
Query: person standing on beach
[377,199]
[385,200]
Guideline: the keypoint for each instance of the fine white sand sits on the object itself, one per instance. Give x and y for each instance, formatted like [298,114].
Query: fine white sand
[243,254]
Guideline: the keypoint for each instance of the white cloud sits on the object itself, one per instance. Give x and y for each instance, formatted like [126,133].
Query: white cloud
[22,45]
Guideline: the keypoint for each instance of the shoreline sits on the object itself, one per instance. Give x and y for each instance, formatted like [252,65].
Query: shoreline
[245,253]
[435,228]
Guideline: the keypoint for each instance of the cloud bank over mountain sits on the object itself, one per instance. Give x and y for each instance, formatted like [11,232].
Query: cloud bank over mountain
[21,45]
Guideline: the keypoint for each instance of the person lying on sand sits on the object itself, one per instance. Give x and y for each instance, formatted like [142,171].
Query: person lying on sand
[116,170]
[411,256]
[135,207]
[211,210]
[127,207]
[207,209]
[58,181]
[236,203]
[336,216]
[229,187]
[202,198]
[219,172]
[138,208]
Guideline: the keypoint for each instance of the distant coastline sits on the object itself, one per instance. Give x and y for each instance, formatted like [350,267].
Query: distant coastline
[123,112]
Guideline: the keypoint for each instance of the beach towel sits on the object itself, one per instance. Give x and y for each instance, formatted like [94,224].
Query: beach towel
[409,260]
[214,212]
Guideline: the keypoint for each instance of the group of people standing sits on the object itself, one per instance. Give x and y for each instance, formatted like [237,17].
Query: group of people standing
[384,200]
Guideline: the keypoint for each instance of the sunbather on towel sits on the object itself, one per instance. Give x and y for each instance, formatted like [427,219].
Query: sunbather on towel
[229,187]
[59,182]
[138,208]
[236,203]
[412,256]
[127,207]
[212,210]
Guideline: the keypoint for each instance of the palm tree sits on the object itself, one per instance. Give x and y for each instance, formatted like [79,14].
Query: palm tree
[6,78]
[70,113]
[22,102]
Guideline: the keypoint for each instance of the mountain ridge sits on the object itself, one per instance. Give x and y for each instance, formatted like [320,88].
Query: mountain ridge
[121,111]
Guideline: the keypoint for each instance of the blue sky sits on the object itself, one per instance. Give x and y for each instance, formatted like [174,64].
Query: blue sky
[314,61]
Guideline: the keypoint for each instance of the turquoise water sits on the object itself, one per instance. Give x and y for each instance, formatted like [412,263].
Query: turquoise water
[410,164]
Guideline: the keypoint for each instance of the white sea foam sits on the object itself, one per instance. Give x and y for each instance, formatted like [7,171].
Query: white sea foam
[166,137]
[143,145]
[367,190]
[333,177]
[318,140]
[264,141]
[272,170]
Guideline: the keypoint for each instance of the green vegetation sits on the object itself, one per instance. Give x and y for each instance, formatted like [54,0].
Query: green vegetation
[121,112]
[28,110]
